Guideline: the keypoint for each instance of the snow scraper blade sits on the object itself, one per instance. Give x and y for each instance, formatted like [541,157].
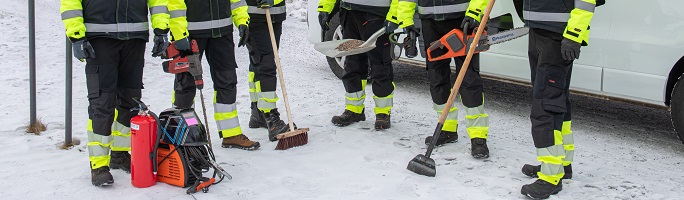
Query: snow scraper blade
[422,165]
[347,47]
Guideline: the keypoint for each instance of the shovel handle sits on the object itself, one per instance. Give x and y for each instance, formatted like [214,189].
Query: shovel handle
[373,38]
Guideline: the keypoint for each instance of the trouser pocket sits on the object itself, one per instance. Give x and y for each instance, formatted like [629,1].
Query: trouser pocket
[93,81]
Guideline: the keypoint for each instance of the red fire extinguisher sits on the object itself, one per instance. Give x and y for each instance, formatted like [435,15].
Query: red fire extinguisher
[143,145]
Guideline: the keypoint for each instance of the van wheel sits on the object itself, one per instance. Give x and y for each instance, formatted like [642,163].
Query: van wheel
[677,107]
[335,33]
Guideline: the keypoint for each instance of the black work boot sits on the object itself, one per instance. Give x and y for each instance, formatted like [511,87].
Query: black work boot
[444,137]
[275,125]
[531,171]
[101,177]
[541,189]
[382,121]
[256,120]
[478,148]
[348,117]
[120,160]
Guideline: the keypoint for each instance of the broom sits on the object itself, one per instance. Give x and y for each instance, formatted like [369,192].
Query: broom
[295,137]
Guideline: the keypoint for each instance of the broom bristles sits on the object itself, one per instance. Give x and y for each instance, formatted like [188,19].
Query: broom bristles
[292,141]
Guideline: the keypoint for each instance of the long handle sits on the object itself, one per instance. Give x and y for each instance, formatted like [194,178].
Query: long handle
[280,70]
[373,38]
[206,123]
[461,75]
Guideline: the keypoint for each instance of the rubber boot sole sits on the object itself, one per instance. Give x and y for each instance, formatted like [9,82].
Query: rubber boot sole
[249,148]
[523,192]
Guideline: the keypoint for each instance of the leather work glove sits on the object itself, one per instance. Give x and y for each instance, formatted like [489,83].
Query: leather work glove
[472,24]
[265,3]
[183,46]
[323,19]
[570,50]
[390,27]
[161,42]
[82,49]
[244,34]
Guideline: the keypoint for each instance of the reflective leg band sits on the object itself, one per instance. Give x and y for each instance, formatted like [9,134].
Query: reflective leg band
[551,159]
[354,101]
[267,101]
[253,97]
[477,122]
[383,105]
[226,117]
[451,123]
[121,135]
[98,148]
[568,143]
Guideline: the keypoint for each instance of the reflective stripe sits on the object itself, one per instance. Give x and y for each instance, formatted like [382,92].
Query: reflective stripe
[228,123]
[543,16]
[226,133]
[551,173]
[450,125]
[210,24]
[72,14]
[552,151]
[412,1]
[585,5]
[568,139]
[356,98]
[238,4]
[376,3]
[120,27]
[121,136]
[224,108]
[383,102]
[158,9]
[222,116]
[274,10]
[267,101]
[98,145]
[569,156]
[453,111]
[444,9]
[177,13]
[551,159]
[476,117]
[252,88]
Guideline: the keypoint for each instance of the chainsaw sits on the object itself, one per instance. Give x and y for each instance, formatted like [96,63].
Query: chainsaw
[180,63]
[457,42]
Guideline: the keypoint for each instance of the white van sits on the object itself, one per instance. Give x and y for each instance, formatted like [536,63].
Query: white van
[636,54]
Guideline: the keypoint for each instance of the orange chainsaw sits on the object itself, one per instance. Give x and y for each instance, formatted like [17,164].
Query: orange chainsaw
[458,42]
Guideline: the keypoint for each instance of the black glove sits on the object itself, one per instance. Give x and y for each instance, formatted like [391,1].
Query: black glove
[82,49]
[323,19]
[570,50]
[183,46]
[265,3]
[161,42]
[390,27]
[472,24]
[244,34]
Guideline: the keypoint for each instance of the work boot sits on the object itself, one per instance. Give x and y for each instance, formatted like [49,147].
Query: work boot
[240,142]
[101,177]
[541,189]
[382,121]
[275,124]
[256,120]
[478,148]
[531,171]
[120,160]
[444,137]
[348,117]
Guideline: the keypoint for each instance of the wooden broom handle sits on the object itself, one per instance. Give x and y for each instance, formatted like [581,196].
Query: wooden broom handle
[280,70]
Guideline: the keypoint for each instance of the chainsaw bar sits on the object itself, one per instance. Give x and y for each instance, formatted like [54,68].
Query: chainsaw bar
[507,35]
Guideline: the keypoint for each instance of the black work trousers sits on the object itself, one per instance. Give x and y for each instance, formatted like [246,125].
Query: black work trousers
[262,60]
[439,72]
[551,83]
[220,54]
[113,79]
[361,25]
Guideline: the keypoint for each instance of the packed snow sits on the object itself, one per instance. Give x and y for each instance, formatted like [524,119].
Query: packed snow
[623,151]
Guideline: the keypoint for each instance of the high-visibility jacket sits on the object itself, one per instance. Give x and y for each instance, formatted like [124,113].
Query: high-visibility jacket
[118,19]
[387,8]
[278,11]
[568,17]
[206,18]
[439,10]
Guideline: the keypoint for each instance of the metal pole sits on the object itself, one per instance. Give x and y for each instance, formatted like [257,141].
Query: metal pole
[32,60]
[67,106]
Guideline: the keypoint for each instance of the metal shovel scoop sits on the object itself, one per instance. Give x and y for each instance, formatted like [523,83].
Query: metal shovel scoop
[341,48]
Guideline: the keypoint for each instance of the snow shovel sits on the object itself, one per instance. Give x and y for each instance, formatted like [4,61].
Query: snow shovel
[346,47]
[294,137]
[423,164]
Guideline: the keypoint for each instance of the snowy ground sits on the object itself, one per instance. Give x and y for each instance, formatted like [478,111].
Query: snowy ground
[623,151]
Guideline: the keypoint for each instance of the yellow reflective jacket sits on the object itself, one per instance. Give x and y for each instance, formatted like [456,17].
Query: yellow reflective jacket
[387,8]
[439,10]
[570,17]
[206,18]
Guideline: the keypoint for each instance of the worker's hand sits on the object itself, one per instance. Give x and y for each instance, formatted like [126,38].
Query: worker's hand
[472,24]
[323,19]
[82,49]
[570,50]
[161,42]
[183,46]
[390,27]
[244,34]
[265,3]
